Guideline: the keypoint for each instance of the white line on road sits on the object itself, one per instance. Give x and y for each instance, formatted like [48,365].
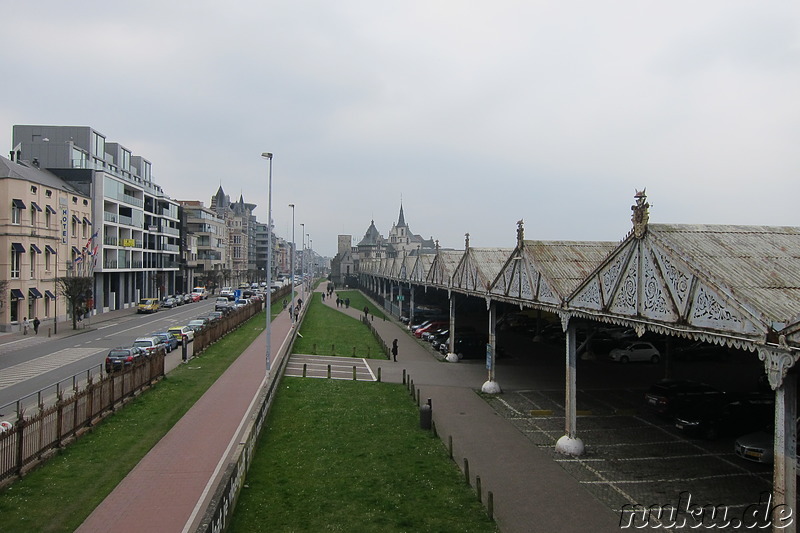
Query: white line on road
[30,369]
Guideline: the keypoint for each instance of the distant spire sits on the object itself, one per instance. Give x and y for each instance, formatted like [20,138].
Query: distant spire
[402,220]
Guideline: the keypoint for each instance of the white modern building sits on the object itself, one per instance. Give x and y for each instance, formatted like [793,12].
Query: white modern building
[136,236]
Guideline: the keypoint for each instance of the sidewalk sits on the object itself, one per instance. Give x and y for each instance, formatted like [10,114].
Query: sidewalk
[531,492]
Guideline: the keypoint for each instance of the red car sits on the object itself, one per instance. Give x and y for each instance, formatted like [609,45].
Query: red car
[433,326]
[196,297]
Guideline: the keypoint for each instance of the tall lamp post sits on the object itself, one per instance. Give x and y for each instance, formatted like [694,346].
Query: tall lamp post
[291,262]
[311,265]
[268,155]
[303,263]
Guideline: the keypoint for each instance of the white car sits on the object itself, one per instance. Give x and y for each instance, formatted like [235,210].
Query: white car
[636,351]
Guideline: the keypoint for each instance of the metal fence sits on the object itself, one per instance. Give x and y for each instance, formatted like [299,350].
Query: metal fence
[31,438]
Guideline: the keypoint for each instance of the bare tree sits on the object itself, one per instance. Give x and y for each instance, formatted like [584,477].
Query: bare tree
[77,290]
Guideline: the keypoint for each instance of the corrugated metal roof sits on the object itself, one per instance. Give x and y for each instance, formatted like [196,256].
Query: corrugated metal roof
[565,264]
[487,264]
[760,265]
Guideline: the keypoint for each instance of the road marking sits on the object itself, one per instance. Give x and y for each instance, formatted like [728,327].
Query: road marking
[30,369]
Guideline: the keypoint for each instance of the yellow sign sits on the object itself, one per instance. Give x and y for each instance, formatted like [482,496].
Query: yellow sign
[128,242]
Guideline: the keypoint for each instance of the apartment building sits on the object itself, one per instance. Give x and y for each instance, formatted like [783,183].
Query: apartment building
[45,229]
[209,233]
[135,222]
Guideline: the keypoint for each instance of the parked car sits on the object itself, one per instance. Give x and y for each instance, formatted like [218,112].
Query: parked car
[179,299]
[726,415]
[668,396]
[168,302]
[221,303]
[182,333]
[149,344]
[215,315]
[197,324]
[227,292]
[432,326]
[635,351]
[187,298]
[123,357]
[428,335]
[196,297]
[201,291]
[759,446]
[169,341]
[469,346]
[148,305]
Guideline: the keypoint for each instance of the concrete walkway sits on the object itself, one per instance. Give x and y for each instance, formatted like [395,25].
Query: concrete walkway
[531,492]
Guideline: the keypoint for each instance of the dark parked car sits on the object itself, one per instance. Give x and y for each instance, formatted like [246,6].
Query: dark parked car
[467,346]
[122,358]
[668,396]
[168,302]
[732,414]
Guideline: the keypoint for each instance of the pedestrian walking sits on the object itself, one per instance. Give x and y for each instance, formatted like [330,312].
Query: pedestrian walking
[347,303]
[366,311]
[25,325]
[394,349]
[36,323]
[323,297]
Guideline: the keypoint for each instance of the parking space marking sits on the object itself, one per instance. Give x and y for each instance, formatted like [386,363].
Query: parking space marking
[317,367]
[30,369]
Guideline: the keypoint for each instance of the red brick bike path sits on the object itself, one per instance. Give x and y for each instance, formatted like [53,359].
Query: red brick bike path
[169,490]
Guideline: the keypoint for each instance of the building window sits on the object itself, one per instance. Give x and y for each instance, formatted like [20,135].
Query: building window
[34,189]
[74,228]
[48,193]
[47,260]
[33,264]
[14,305]
[16,259]
[47,219]
[17,206]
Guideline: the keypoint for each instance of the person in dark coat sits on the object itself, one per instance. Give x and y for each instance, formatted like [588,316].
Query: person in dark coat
[394,349]
[36,323]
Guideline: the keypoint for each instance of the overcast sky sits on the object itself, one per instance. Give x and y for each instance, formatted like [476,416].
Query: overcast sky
[476,115]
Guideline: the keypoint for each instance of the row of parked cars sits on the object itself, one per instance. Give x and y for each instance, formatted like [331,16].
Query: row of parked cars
[701,410]
[151,305]
[123,357]
[468,343]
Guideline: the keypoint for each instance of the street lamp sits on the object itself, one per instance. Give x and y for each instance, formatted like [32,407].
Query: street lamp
[268,155]
[303,263]
[291,262]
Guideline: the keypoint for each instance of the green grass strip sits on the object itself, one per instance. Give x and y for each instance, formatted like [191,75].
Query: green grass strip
[339,455]
[59,495]
[358,301]
[326,331]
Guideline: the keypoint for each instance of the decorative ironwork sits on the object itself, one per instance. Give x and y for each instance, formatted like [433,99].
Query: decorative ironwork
[679,281]
[655,303]
[625,298]
[641,214]
[520,233]
[590,295]
[611,275]
[777,363]
[708,307]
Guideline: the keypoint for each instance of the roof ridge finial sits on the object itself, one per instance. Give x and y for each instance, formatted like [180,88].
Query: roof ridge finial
[520,232]
[466,241]
[641,213]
